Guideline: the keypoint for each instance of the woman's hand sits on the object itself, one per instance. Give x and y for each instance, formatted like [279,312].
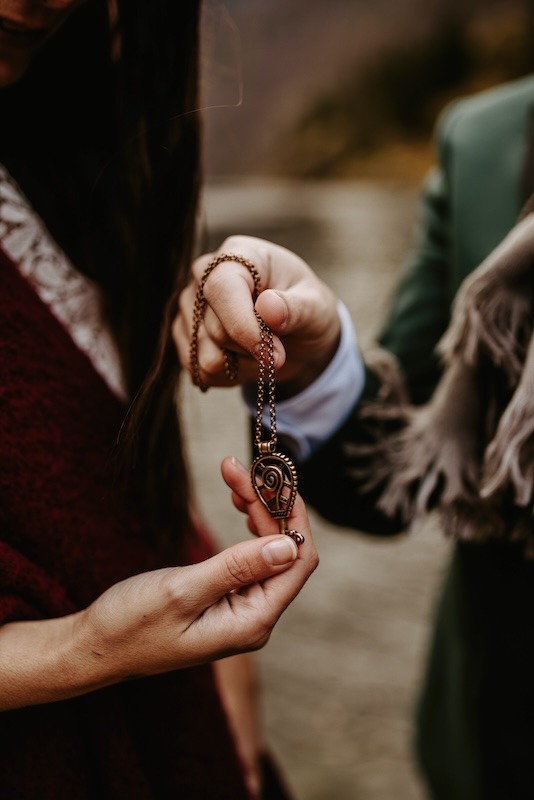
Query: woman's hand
[298,307]
[166,619]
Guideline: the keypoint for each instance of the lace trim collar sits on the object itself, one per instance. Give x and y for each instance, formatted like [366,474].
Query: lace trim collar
[73,299]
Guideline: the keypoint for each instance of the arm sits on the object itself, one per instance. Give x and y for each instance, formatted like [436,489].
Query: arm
[162,620]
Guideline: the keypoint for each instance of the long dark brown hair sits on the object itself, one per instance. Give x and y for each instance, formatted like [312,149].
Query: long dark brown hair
[102,135]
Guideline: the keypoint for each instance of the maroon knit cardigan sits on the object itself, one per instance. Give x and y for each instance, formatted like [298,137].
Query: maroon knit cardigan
[66,534]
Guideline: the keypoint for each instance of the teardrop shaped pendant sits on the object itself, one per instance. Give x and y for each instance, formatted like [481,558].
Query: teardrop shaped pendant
[274,478]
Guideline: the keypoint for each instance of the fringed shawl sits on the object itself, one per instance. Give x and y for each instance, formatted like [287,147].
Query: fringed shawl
[470,450]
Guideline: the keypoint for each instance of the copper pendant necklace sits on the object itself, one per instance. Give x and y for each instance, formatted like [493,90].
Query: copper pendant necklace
[273,474]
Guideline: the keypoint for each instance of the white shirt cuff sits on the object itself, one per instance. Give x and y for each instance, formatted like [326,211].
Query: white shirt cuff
[309,418]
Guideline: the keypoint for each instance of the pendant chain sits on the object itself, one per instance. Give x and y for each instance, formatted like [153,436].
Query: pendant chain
[265,382]
[273,475]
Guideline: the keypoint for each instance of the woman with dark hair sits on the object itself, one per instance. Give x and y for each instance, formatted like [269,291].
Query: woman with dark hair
[106,689]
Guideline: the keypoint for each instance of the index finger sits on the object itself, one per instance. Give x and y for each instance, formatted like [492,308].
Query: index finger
[230,290]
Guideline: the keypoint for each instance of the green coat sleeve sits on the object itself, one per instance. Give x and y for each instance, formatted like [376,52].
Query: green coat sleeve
[420,310]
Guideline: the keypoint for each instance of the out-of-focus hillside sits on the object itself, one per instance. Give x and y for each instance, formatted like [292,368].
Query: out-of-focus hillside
[348,87]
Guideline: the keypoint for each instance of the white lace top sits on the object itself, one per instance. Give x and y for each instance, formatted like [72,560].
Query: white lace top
[71,297]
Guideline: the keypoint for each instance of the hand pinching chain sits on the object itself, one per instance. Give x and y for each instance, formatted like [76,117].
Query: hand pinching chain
[273,474]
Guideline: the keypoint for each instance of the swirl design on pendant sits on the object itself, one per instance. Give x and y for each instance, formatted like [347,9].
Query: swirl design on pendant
[274,478]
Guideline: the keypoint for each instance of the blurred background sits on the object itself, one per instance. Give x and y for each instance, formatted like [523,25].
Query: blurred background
[348,88]
[318,130]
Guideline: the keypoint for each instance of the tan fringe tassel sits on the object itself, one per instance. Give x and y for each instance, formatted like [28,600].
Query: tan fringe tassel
[470,450]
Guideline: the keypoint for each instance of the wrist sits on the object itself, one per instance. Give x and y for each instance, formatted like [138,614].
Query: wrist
[309,371]
[45,661]
[312,357]
[309,418]
[91,659]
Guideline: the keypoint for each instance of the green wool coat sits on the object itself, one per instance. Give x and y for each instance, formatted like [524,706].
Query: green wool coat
[475,718]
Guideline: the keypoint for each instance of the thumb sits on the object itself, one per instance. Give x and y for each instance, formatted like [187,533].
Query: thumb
[273,308]
[297,310]
[242,565]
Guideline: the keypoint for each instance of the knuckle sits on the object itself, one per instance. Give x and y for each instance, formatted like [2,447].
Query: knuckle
[211,365]
[173,591]
[254,636]
[234,330]
[183,303]
[235,243]
[176,332]
[240,569]
[260,637]
[215,329]
[216,281]
[199,265]
[215,285]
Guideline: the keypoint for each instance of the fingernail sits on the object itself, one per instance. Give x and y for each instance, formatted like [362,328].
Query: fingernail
[280,551]
[238,465]
[283,305]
